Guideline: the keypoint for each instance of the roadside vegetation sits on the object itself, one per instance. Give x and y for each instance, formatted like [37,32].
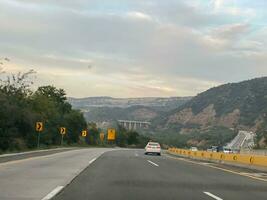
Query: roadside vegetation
[21,108]
[127,138]
[213,136]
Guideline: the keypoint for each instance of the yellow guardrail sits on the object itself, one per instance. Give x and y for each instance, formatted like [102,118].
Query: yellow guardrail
[235,158]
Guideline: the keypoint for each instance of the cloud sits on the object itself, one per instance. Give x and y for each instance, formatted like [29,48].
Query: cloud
[143,48]
[139,15]
[231,31]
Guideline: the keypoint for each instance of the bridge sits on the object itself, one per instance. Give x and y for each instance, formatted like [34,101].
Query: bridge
[134,125]
[243,140]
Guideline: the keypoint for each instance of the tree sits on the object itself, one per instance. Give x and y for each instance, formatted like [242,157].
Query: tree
[15,115]
[75,123]
[93,134]
[21,108]
[132,138]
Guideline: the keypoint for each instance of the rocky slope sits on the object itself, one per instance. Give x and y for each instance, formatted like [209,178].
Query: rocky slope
[235,106]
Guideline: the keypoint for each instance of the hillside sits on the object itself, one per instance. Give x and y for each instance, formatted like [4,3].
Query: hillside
[139,113]
[108,109]
[234,106]
[167,103]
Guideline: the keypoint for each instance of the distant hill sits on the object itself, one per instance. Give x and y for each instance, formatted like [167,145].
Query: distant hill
[108,109]
[139,113]
[234,106]
[159,103]
[212,117]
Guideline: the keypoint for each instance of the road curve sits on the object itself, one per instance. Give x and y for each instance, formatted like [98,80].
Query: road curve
[129,174]
[24,155]
[33,178]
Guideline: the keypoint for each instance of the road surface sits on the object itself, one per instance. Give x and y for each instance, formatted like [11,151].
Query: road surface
[30,154]
[115,174]
[128,174]
[34,177]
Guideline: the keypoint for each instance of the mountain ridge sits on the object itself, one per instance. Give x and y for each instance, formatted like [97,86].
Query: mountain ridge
[102,109]
[236,106]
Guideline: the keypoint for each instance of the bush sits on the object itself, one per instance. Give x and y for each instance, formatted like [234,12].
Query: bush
[21,108]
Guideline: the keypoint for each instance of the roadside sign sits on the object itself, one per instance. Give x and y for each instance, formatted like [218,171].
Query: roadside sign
[39,126]
[62,130]
[102,136]
[111,134]
[84,133]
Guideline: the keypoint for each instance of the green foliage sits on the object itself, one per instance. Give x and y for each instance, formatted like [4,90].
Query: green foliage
[93,134]
[75,123]
[250,97]
[217,136]
[262,134]
[130,138]
[21,108]
[99,114]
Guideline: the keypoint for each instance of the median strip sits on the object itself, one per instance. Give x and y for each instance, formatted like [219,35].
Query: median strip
[212,196]
[152,163]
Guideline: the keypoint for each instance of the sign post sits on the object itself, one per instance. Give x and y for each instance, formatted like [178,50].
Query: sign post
[102,136]
[62,132]
[39,128]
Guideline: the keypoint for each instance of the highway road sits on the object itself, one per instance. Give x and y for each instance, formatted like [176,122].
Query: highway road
[33,178]
[129,174]
[30,154]
[98,174]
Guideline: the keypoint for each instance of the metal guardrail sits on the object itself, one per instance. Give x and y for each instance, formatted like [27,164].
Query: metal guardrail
[247,159]
[259,152]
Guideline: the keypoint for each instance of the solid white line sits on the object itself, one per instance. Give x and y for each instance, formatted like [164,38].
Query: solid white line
[53,193]
[29,152]
[91,161]
[212,195]
[152,163]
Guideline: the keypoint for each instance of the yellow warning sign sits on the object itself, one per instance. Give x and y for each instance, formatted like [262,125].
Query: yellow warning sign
[111,134]
[63,130]
[84,133]
[39,126]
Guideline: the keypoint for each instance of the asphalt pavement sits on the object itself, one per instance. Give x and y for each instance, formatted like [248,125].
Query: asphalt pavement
[37,177]
[114,174]
[30,154]
[129,174]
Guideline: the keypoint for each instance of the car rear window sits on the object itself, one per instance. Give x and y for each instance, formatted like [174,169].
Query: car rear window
[153,144]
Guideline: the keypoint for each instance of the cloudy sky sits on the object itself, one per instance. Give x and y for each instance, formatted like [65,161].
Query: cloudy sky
[135,48]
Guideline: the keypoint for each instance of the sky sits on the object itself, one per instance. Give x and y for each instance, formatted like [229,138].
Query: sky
[134,48]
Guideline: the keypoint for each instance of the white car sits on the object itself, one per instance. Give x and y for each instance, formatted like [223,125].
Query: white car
[153,148]
[193,149]
[227,150]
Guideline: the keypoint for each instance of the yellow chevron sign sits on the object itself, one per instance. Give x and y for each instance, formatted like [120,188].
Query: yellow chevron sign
[63,130]
[39,126]
[84,133]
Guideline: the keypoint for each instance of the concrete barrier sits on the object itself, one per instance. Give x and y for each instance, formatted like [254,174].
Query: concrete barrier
[242,159]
